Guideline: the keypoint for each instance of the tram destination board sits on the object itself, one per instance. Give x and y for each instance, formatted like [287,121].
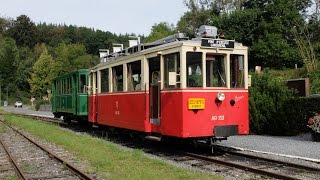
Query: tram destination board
[217,43]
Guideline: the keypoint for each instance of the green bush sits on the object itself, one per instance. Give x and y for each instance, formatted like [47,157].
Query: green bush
[41,102]
[268,99]
[315,82]
[299,110]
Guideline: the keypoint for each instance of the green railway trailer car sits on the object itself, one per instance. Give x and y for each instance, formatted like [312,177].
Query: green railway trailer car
[70,97]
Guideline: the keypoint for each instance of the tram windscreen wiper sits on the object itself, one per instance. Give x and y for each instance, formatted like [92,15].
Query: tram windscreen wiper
[223,81]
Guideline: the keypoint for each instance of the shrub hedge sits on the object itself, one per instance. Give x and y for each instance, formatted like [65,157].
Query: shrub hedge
[38,103]
[268,99]
[299,110]
[275,110]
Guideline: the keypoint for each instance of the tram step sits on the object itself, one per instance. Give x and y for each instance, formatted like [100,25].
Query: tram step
[153,138]
[95,126]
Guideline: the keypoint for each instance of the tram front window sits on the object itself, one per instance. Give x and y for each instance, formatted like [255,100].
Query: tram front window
[215,71]
[172,70]
[194,69]
[237,71]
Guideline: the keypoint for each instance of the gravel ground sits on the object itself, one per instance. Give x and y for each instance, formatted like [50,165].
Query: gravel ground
[296,147]
[34,162]
[301,146]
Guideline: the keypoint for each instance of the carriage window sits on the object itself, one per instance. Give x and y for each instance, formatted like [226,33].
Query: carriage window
[134,76]
[83,83]
[194,69]
[172,70]
[69,86]
[57,87]
[237,71]
[117,78]
[215,71]
[64,86]
[104,80]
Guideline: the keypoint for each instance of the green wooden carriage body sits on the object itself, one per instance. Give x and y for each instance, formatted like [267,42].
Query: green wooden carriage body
[69,95]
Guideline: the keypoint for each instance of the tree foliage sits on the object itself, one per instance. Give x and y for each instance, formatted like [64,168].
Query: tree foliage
[24,31]
[70,57]
[262,25]
[8,56]
[268,99]
[42,76]
[159,31]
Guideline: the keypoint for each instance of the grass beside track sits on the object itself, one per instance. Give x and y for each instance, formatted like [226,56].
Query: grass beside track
[107,159]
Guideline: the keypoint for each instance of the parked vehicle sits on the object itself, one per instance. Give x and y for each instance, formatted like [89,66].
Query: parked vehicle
[18,104]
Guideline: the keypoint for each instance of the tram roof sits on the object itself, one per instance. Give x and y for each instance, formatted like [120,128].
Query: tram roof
[79,71]
[154,47]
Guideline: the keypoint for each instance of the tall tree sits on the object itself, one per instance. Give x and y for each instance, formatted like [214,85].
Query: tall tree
[24,31]
[70,58]
[41,76]
[5,24]
[200,12]
[23,67]
[8,56]
[161,30]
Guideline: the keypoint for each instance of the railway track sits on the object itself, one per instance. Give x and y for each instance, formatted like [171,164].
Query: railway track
[260,166]
[254,164]
[33,161]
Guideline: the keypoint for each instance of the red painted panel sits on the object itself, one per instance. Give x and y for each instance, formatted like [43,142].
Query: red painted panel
[177,120]
[92,109]
[131,111]
[125,110]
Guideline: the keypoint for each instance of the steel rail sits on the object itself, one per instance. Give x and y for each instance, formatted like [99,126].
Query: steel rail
[238,166]
[294,165]
[254,170]
[13,161]
[76,171]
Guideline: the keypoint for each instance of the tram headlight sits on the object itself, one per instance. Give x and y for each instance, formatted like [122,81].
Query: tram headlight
[221,96]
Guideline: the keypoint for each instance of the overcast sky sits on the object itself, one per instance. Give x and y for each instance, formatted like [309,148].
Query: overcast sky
[116,16]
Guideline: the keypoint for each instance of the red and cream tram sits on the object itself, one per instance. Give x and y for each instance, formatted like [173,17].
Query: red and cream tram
[191,89]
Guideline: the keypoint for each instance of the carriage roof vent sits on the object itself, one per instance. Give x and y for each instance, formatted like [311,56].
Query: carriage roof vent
[103,54]
[207,31]
[169,39]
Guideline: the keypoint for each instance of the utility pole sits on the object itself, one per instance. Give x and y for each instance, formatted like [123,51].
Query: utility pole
[0,96]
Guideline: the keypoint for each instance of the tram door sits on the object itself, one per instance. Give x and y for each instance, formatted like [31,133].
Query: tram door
[154,90]
[93,100]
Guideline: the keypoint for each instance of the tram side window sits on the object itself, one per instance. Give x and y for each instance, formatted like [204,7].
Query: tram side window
[215,71]
[117,78]
[104,80]
[237,71]
[57,87]
[69,86]
[194,69]
[134,76]
[63,86]
[83,83]
[172,70]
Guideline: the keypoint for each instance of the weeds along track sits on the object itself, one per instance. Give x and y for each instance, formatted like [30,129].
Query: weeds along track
[227,160]
[33,161]
[254,164]
[8,165]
